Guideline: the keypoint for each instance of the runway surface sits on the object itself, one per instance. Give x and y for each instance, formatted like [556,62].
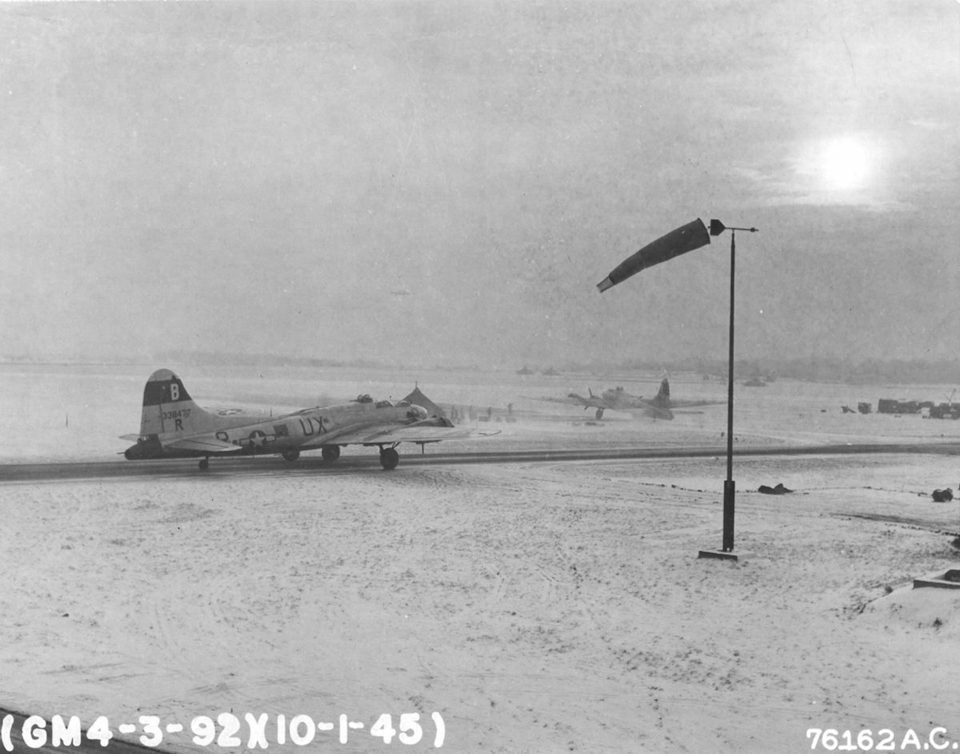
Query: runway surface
[33,472]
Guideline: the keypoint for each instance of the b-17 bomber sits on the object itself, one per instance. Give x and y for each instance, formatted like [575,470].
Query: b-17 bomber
[173,426]
[617,399]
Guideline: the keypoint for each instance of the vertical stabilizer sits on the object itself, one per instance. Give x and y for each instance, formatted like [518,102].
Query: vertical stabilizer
[663,397]
[168,408]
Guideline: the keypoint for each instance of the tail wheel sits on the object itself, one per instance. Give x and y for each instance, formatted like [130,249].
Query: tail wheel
[389,458]
[291,455]
[204,464]
[599,414]
[330,452]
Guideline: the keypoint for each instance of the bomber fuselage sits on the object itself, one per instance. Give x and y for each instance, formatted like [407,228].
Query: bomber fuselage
[309,428]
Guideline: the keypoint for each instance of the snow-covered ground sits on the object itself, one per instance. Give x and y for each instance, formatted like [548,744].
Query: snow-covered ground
[538,607]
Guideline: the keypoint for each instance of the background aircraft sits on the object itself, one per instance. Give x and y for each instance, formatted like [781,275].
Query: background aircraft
[618,399]
[173,426]
[661,406]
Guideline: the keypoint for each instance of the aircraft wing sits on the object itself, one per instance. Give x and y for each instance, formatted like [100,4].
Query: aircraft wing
[391,433]
[695,403]
[594,401]
[649,412]
[565,401]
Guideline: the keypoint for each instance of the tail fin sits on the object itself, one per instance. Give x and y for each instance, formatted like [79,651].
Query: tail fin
[663,397]
[168,408]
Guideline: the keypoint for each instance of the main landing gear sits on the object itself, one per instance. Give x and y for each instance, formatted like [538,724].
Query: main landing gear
[389,458]
[599,414]
[330,453]
[205,464]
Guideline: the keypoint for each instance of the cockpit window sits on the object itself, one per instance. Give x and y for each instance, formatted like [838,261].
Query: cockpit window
[403,404]
[363,398]
[384,404]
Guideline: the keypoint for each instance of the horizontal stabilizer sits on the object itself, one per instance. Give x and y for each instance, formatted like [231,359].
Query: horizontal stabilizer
[203,445]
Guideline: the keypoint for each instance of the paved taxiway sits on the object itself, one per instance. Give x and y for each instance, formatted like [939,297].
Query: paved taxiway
[32,472]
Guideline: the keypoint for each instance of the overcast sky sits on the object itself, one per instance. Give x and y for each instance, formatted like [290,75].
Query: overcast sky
[447,182]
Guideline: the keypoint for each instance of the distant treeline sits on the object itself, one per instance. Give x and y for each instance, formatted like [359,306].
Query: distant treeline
[214,359]
[810,369]
[202,359]
[816,369]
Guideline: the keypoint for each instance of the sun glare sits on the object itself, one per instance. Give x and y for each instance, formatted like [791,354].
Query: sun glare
[845,163]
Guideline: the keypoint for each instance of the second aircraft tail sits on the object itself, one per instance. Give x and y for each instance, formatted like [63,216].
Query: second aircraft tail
[663,397]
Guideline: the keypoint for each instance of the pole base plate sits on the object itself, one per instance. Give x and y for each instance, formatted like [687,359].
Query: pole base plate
[718,555]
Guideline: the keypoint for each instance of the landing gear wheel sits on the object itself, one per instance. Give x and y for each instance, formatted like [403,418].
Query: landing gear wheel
[330,452]
[204,464]
[291,455]
[599,414]
[389,458]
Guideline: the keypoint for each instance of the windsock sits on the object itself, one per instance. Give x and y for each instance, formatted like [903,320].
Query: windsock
[685,238]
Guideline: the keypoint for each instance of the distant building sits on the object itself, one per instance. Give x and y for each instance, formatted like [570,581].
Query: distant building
[891,406]
[945,411]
